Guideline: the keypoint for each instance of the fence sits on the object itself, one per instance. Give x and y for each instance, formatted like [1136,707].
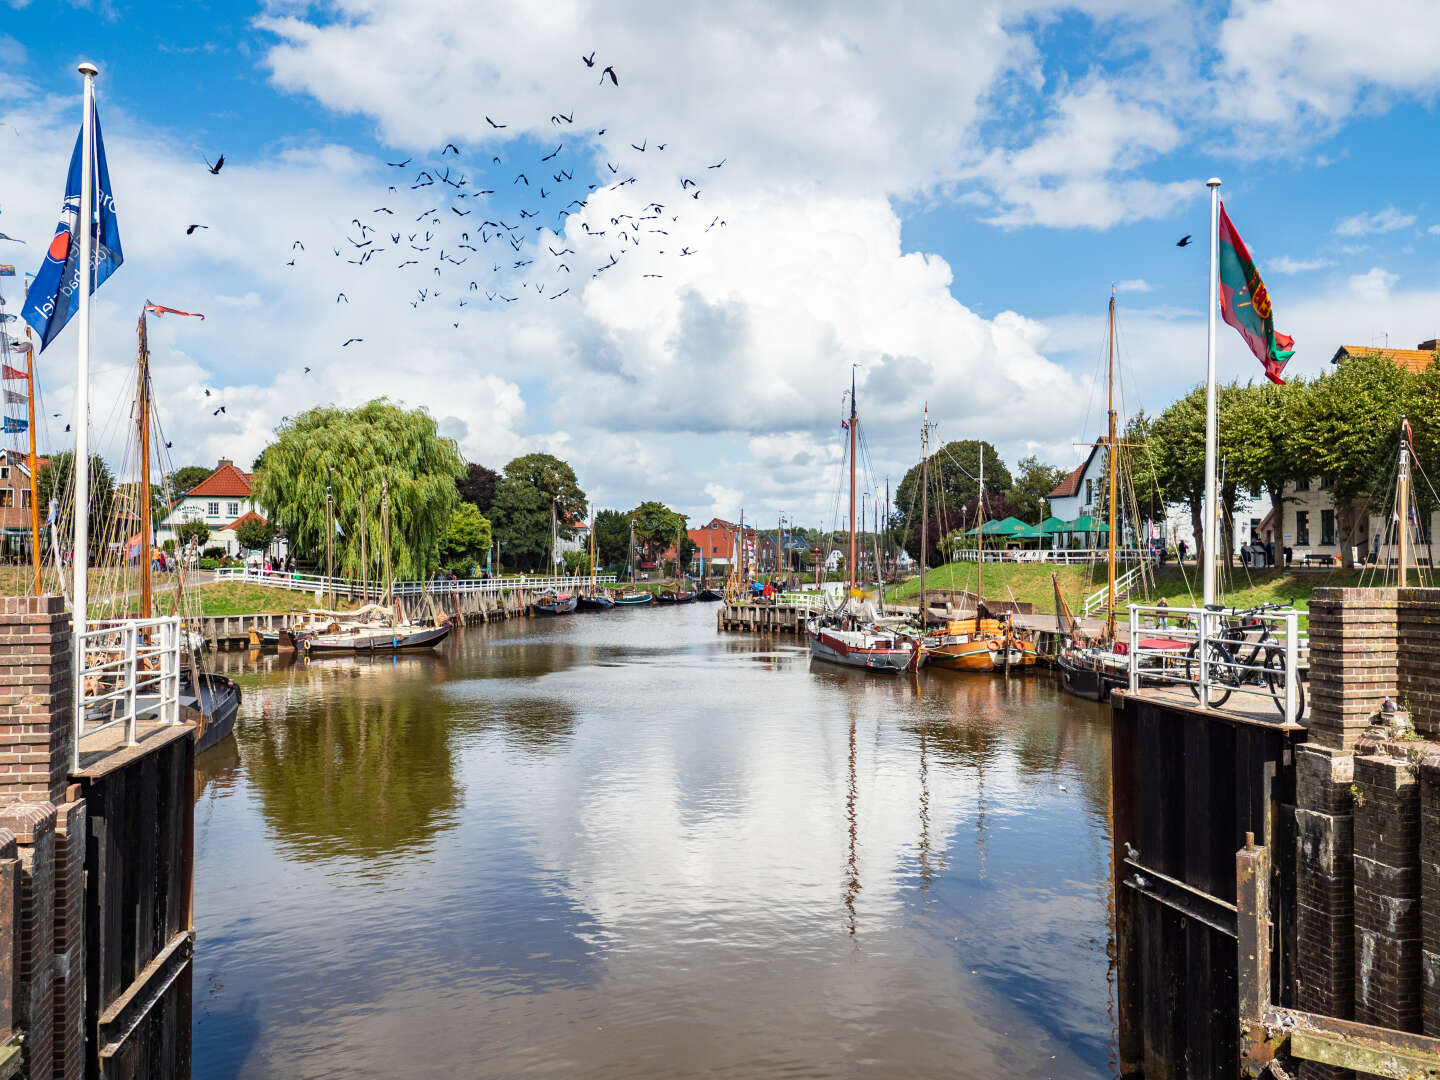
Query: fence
[131,666]
[374,590]
[1123,584]
[1254,652]
[1060,556]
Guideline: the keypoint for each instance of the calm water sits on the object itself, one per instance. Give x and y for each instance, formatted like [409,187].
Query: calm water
[622,845]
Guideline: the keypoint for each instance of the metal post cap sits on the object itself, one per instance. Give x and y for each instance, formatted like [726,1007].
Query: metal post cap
[87,68]
[1214,181]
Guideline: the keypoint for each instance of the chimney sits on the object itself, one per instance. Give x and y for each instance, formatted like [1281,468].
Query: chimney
[223,462]
[1429,346]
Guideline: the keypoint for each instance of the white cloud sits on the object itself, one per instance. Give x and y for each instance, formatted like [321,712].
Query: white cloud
[1284,264]
[1374,284]
[1139,285]
[1434,230]
[1381,221]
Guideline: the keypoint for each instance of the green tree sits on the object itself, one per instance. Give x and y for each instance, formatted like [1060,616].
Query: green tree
[532,484]
[465,540]
[612,538]
[576,562]
[193,529]
[656,527]
[184,478]
[355,451]
[254,534]
[57,481]
[1031,488]
[954,474]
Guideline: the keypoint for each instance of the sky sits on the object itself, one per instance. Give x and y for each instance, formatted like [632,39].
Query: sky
[935,198]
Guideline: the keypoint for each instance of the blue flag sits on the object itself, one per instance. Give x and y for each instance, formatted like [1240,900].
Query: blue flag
[54,294]
[14,425]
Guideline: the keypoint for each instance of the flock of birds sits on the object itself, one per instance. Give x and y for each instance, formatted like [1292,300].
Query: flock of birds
[495,230]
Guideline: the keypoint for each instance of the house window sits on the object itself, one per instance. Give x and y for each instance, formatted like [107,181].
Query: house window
[4,472]
[1327,526]
[1324,483]
[7,496]
[1302,526]
[1089,492]
[1302,485]
[213,509]
[24,496]
[233,509]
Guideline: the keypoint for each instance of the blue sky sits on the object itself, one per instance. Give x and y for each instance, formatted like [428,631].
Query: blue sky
[941,197]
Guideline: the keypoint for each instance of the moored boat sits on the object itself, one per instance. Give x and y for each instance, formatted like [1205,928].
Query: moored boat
[212,710]
[551,602]
[633,599]
[884,652]
[708,593]
[594,601]
[676,596]
[979,645]
[403,638]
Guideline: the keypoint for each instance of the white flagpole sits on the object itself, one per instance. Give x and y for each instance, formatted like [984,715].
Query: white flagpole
[1211,539]
[82,397]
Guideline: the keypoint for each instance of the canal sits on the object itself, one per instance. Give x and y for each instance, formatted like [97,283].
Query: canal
[623,845]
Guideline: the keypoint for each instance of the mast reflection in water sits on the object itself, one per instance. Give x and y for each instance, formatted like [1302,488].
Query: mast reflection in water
[619,845]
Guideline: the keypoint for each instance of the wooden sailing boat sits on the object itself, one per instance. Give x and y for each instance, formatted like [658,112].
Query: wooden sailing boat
[841,637]
[633,597]
[592,598]
[552,601]
[980,643]
[682,592]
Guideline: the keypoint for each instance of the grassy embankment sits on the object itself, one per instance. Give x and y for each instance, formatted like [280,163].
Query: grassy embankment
[238,598]
[1030,583]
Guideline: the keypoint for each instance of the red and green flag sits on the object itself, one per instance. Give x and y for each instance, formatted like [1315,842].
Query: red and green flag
[1245,303]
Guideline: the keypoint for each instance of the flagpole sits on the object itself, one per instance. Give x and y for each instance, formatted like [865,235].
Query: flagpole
[81,468]
[1211,539]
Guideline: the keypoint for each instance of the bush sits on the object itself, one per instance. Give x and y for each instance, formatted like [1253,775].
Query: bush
[213,553]
[209,564]
[168,547]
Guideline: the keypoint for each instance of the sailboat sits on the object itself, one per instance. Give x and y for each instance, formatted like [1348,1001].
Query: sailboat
[976,644]
[842,636]
[681,592]
[633,597]
[1092,666]
[552,601]
[592,598]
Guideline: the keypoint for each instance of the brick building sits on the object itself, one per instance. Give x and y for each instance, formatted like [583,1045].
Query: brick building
[15,502]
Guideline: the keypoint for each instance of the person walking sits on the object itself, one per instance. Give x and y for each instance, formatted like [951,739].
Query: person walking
[1183,548]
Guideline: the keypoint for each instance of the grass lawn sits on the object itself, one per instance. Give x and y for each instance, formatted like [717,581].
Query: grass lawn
[238,598]
[1030,583]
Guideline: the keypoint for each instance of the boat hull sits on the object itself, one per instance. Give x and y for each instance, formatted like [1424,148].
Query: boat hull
[213,711]
[638,600]
[563,605]
[594,603]
[709,594]
[827,646]
[428,638]
[676,597]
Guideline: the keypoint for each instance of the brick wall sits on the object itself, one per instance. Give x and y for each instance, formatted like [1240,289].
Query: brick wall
[33,826]
[1417,636]
[69,956]
[1352,661]
[35,698]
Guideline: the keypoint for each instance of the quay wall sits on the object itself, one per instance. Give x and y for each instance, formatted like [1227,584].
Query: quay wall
[57,949]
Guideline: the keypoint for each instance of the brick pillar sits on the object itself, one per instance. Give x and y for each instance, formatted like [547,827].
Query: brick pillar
[35,699]
[1417,635]
[33,825]
[1352,661]
[1387,893]
[69,1011]
[9,935]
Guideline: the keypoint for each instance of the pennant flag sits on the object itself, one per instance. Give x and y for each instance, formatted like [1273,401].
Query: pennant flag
[15,426]
[161,309]
[8,372]
[1245,303]
[53,296]
[6,270]
[14,397]
[20,344]
[54,509]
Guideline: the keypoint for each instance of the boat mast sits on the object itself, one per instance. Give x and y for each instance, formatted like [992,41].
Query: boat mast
[329,547]
[924,509]
[592,551]
[142,407]
[632,548]
[385,537]
[1403,495]
[851,564]
[887,517]
[779,524]
[554,537]
[34,479]
[364,551]
[980,535]
[1114,464]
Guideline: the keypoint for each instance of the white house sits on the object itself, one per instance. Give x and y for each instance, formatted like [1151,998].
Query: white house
[223,500]
[1081,492]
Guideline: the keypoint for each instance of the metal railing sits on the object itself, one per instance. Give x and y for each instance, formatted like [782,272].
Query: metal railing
[1061,556]
[1248,651]
[128,668]
[351,589]
[1123,584]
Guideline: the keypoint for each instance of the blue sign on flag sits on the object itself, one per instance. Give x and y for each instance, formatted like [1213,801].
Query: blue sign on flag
[54,294]
[15,426]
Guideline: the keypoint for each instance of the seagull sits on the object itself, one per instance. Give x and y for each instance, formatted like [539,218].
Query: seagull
[718,163]
[1184,241]
[307,371]
[352,341]
[219,164]
[188,232]
[493,124]
[450,146]
[218,411]
[1139,881]
[589,60]
[341,296]
[552,153]
[611,72]
[399,164]
[207,391]
[1131,852]
[297,244]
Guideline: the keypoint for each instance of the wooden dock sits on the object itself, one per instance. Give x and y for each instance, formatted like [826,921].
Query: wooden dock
[764,618]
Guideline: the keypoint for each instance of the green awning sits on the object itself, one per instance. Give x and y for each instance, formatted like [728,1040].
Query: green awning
[1087,523]
[1052,525]
[1002,527]
[1027,532]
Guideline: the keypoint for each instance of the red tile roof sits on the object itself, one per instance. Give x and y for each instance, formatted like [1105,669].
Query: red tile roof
[225,482]
[249,515]
[1416,360]
[1071,484]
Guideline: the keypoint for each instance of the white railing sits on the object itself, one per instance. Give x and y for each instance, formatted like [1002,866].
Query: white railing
[1247,651]
[1123,585]
[128,668]
[351,589]
[1062,556]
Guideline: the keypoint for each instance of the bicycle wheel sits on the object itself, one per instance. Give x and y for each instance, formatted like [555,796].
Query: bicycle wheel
[1275,680]
[1219,664]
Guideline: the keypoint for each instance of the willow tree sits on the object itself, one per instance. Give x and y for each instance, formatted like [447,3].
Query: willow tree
[357,454]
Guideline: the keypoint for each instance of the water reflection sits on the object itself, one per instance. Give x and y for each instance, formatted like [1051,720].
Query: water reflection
[622,845]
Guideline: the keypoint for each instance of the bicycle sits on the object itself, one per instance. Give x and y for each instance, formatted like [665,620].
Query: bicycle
[1229,669]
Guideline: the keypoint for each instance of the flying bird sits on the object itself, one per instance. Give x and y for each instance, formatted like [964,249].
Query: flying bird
[589,60]
[351,341]
[1184,241]
[188,232]
[569,119]
[611,72]
[219,164]
[552,153]
[718,163]
[207,391]
[493,124]
[306,371]
[297,244]
[341,296]
[218,411]
[450,146]
[399,164]
[643,143]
